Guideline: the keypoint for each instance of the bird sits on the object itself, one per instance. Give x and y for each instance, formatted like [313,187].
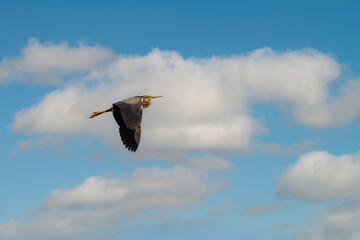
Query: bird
[128,114]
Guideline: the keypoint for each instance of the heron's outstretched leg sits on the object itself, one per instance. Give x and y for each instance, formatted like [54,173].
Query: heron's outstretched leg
[94,114]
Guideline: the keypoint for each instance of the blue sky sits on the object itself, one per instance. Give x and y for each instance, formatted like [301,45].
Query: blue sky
[256,137]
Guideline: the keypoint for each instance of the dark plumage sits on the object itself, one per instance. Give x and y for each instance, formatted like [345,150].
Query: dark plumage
[127,134]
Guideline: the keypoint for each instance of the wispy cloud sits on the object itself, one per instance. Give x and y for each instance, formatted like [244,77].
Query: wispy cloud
[340,221]
[58,145]
[221,208]
[263,208]
[96,156]
[286,150]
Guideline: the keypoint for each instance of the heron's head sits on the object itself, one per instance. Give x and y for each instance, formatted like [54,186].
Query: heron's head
[147,100]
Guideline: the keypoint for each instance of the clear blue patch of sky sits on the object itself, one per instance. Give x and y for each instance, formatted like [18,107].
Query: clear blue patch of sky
[194,28]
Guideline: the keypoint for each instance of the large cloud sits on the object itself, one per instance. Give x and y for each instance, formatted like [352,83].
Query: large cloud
[320,176]
[101,203]
[206,103]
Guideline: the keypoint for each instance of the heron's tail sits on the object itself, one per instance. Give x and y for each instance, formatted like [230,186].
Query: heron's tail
[94,114]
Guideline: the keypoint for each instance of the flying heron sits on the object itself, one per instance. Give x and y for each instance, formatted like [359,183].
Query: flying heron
[127,114]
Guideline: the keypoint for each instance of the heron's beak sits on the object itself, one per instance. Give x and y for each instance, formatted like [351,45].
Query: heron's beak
[150,97]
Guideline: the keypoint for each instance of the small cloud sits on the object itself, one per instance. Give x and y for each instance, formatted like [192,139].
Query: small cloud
[45,62]
[319,176]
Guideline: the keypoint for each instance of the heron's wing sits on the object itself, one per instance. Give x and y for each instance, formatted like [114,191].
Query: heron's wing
[130,135]
[131,112]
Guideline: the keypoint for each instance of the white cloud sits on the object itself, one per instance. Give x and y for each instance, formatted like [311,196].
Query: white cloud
[340,221]
[320,176]
[206,103]
[232,133]
[100,203]
[159,186]
[47,61]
